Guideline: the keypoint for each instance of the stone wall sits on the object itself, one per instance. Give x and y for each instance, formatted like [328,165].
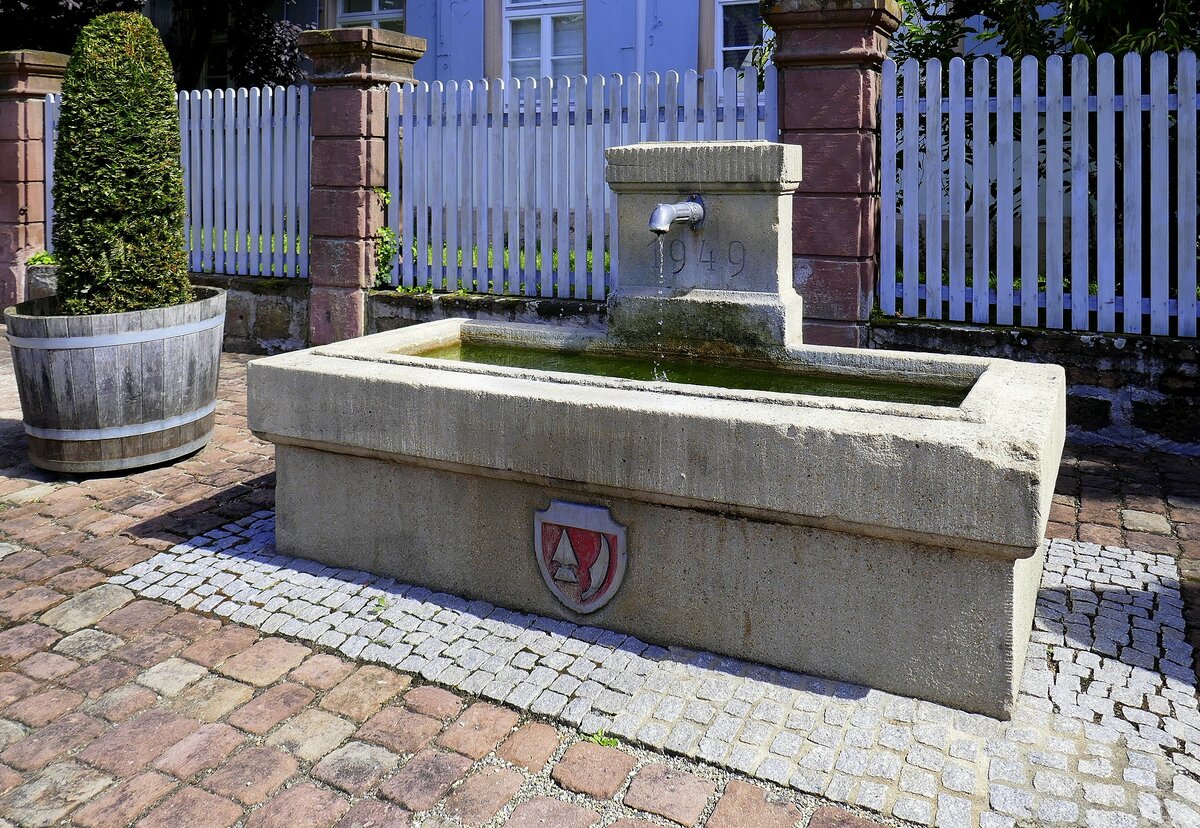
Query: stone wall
[1139,391]
[388,310]
[262,316]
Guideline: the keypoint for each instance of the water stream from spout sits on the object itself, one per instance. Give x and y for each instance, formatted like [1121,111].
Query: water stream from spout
[660,374]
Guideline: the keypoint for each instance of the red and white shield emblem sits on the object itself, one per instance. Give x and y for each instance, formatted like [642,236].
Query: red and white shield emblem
[580,552]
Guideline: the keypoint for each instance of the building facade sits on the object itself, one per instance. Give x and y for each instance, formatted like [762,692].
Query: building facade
[472,39]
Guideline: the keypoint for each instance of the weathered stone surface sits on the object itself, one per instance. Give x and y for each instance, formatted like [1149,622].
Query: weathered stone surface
[311,735]
[170,677]
[744,804]
[355,768]
[213,649]
[265,662]
[364,692]
[53,794]
[120,806]
[206,748]
[18,643]
[43,708]
[666,792]
[481,796]
[194,808]
[87,608]
[434,702]
[400,731]
[374,814]
[322,671]
[479,730]
[425,778]
[41,747]
[211,698]
[530,747]
[134,744]
[543,811]
[593,769]
[302,805]
[252,775]
[271,707]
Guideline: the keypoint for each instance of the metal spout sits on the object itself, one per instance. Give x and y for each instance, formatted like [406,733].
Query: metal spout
[690,212]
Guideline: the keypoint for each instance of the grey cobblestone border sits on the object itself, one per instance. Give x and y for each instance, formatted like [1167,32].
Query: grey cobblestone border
[1106,731]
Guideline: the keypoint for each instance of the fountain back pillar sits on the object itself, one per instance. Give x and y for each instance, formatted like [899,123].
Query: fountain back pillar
[724,286]
[830,55]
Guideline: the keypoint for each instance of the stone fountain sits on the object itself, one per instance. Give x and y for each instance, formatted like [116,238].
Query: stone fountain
[886,538]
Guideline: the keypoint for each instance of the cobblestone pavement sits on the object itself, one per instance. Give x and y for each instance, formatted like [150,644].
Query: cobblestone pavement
[119,710]
[116,707]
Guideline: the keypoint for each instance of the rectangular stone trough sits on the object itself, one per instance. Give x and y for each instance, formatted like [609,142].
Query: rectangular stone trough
[893,545]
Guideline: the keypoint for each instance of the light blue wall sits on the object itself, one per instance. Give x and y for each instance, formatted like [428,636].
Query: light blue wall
[610,39]
[460,40]
[421,20]
[672,35]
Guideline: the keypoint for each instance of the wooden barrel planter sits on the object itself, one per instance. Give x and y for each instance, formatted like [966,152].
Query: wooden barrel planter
[116,391]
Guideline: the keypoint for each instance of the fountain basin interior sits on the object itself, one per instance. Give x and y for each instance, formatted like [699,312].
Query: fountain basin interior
[894,544]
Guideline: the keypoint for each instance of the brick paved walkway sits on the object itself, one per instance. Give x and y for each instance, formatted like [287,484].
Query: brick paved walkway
[118,710]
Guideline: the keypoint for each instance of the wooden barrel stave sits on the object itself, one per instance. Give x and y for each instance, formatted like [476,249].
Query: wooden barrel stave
[114,385]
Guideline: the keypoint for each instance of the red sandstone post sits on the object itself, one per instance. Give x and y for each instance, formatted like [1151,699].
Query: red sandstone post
[830,54]
[351,71]
[26,78]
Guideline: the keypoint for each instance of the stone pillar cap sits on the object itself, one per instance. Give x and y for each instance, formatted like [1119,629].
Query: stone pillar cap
[753,165]
[360,55]
[30,72]
[825,7]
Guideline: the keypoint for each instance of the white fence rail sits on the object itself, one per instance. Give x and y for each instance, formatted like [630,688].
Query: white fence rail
[246,165]
[1060,195]
[501,186]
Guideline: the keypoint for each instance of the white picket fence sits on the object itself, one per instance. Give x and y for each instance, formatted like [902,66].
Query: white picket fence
[501,186]
[246,165]
[1104,226]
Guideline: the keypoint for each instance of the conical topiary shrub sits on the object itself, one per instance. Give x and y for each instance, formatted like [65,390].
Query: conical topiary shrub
[118,181]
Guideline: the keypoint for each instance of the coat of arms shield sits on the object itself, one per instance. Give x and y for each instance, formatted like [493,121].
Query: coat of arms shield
[581,553]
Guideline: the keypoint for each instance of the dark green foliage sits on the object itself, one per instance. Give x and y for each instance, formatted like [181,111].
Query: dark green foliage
[935,28]
[263,51]
[51,24]
[118,183]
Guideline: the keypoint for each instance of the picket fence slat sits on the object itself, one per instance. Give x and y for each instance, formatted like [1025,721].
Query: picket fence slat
[958,192]
[911,193]
[1004,192]
[887,189]
[1029,190]
[1186,198]
[399,182]
[1054,192]
[1132,206]
[1106,195]
[1160,191]
[1079,217]
[933,190]
[980,177]
[1080,269]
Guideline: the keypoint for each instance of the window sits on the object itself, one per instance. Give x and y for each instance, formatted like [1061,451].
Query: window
[544,38]
[739,29]
[378,14]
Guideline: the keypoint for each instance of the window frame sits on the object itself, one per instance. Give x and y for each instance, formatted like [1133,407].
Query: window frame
[719,47]
[544,11]
[368,19]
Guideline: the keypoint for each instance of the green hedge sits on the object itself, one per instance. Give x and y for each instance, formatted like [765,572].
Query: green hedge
[118,182]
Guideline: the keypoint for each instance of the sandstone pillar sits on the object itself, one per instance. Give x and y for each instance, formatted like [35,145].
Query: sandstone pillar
[830,54]
[351,71]
[26,77]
